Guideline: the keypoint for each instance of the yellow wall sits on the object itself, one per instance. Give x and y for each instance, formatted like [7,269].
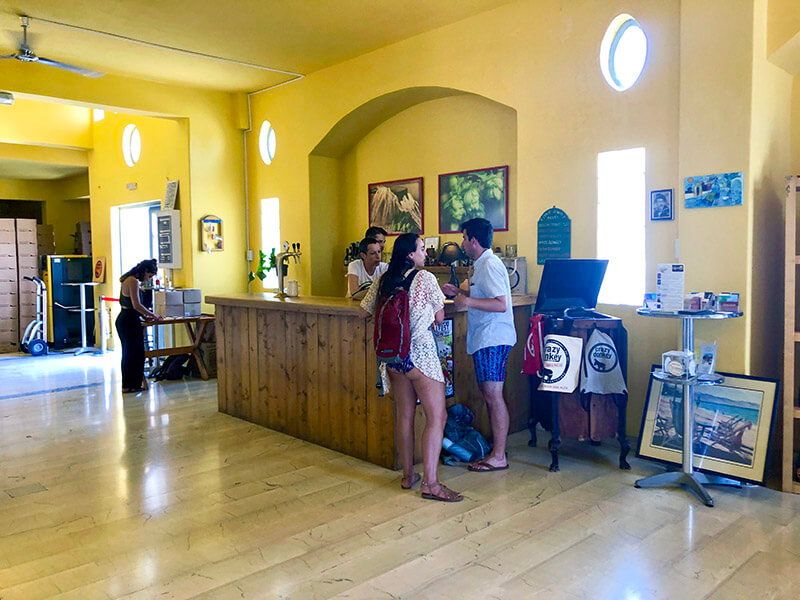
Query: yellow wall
[540,61]
[163,158]
[211,140]
[29,120]
[439,136]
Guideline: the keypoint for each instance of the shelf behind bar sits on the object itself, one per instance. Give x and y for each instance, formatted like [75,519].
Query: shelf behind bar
[797,412]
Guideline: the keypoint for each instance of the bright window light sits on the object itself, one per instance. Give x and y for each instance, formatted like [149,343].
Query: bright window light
[131,144]
[621,225]
[270,235]
[98,114]
[267,142]
[623,52]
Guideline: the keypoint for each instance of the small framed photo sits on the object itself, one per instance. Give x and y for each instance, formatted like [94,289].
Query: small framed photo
[733,425]
[432,242]
[661,205]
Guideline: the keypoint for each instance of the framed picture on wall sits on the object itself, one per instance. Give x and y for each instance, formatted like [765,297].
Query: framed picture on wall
[661,205]
[732,425]
[466,195]
[396,205]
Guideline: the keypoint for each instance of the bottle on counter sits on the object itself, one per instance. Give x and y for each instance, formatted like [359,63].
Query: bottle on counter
[453,279]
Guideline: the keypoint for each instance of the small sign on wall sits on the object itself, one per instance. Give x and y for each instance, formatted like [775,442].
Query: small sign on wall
[554,235]
[211,234]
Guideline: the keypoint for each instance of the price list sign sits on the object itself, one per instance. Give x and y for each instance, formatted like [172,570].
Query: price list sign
[554,235]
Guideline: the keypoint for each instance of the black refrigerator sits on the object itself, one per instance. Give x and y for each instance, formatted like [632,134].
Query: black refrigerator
[64,301]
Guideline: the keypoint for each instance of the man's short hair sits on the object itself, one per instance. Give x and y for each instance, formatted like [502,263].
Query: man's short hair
[363,245]
[374,231]
[480,229]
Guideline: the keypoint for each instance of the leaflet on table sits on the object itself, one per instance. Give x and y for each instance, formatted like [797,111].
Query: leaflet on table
[669,286]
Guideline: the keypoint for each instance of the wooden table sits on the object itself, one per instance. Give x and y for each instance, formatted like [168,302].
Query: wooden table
[195,328]
[305,366]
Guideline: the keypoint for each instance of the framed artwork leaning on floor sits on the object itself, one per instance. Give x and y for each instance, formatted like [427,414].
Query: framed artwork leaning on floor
[733,425]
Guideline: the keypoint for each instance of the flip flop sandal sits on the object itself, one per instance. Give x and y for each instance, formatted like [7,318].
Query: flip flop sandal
[414,481]
[445,494]
[485,467]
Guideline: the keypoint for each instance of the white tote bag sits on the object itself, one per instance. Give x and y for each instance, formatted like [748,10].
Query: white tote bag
[562,356]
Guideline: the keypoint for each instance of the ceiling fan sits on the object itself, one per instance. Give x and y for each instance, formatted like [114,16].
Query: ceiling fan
[25,54]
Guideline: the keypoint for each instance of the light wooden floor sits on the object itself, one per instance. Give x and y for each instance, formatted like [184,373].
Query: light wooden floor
[160,496]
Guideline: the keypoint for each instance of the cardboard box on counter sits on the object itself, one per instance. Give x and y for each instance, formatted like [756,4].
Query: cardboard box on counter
[168,297]
[191,296]
[169,310]
[192,309]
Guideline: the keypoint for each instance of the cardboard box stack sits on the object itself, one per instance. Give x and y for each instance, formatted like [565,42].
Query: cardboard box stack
[83,238]
[177,303]
[191,302]
[45,239]
[27,266]
[9,303]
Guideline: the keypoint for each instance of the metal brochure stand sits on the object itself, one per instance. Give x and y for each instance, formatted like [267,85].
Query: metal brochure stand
[83,310]
[687,477]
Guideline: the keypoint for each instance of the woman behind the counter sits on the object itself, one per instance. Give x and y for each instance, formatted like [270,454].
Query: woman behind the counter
[420,374]
[129,324]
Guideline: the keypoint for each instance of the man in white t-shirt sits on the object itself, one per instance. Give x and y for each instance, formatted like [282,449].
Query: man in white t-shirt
[363,271]
[490,331]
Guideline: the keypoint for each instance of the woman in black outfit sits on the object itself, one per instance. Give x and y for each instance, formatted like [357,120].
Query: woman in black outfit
[129,324]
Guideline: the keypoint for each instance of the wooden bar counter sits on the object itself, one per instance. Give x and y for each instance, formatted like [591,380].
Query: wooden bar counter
[305,366]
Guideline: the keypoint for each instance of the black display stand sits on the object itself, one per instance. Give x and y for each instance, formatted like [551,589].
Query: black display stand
[582,416]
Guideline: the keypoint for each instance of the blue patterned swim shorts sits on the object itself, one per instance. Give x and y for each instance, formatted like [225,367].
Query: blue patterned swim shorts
[401,367]
[490,363]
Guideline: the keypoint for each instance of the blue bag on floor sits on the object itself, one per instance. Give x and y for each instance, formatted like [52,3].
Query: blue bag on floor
[462,442]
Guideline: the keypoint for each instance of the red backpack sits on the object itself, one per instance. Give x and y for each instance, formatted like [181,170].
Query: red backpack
[392,335]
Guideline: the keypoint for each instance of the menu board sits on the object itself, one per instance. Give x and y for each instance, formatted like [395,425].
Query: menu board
[554,235]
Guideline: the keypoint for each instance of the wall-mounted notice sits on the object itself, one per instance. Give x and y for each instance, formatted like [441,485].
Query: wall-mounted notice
[554,235]
[169,239]
[170,196]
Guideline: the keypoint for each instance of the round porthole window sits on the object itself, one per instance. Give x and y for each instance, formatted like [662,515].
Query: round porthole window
[267,142]
[623,52]
[131,144]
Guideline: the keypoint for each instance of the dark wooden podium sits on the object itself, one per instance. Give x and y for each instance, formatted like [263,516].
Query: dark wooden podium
[592,417]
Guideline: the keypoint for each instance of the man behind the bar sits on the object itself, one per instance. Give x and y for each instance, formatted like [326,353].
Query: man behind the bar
[490,331]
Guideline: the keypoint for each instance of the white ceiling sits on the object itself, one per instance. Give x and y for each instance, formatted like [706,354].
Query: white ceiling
[288,36]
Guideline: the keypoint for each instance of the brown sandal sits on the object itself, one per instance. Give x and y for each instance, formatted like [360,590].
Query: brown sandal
[416,478]
[443,494]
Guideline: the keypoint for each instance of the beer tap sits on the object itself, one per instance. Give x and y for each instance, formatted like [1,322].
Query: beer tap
[282,263]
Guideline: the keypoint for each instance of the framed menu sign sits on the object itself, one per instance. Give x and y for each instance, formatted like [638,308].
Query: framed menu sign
[554,235]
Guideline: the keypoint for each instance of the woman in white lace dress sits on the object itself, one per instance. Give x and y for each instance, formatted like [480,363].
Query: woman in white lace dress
[419,375]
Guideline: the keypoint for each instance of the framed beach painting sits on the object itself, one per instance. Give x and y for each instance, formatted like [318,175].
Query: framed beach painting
[396,205]
[706,191]
[732,425]
[469,194]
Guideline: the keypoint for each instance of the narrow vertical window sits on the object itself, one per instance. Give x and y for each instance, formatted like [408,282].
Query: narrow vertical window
[270,235]
[621,225]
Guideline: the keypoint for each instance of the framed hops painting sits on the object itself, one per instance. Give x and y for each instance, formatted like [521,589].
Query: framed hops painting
[469,194]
